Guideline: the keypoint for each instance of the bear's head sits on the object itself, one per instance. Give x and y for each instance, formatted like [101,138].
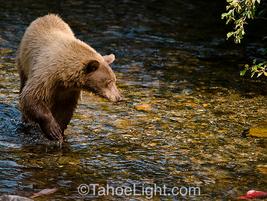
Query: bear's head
[98,77]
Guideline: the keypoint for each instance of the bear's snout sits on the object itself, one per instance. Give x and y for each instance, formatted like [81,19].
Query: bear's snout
[113,94]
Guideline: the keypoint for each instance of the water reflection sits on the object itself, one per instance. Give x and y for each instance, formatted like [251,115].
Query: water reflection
[183,70]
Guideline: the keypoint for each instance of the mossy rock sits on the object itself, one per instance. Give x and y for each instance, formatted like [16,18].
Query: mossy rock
[259,131]
[122,123]
[143,107]
[262,169]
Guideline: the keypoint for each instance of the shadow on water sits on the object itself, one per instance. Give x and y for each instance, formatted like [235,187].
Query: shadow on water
[14,133]
[172,56]
[9,118]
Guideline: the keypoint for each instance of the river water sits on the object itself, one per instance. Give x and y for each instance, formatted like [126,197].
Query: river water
[171,57]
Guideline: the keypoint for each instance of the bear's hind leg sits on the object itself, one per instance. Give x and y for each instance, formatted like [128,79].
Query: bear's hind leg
[23,77]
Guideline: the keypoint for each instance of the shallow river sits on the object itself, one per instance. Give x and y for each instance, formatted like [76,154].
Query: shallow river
[172,59]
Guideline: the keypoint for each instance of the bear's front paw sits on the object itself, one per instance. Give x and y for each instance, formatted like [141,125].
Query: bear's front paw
[56,132]
[52,130]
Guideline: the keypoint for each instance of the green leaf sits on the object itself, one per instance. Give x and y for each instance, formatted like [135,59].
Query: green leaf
[239,11]
[224,15]
[229,34]
[259,74]
[243,72]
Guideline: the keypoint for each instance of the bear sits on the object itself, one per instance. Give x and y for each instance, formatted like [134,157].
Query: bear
[54,66]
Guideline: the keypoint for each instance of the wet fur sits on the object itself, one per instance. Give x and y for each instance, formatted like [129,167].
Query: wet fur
[50,61]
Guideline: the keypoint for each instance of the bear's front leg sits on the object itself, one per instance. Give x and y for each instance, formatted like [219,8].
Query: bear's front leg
[51,128]
[38,112]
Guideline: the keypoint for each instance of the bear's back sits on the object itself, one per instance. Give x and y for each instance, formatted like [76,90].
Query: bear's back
[48,24]
[43,33]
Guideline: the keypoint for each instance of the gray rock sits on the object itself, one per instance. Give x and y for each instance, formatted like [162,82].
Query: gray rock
[13,198]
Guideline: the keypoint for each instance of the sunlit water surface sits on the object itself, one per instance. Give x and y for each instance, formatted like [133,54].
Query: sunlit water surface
[170,55]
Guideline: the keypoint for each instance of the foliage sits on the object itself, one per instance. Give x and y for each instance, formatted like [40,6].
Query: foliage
[238,12]
[258,69]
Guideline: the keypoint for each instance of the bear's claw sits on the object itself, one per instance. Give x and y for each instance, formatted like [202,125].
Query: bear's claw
[56,132]
[53,131]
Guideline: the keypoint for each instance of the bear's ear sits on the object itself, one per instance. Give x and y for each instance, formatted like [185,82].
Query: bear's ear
[91,66]
[109,58]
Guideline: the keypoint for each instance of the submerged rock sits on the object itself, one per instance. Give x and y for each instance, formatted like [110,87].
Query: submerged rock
[13,198]
[262,169]
[143,107]
[122,123]
[259,131]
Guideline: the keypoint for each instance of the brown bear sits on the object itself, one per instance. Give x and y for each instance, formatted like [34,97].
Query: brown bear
[54,66]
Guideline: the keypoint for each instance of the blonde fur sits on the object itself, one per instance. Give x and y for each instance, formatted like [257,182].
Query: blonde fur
[51,62]
[49,51]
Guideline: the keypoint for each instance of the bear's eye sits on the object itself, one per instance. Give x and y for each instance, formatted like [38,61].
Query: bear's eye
[109,82]
[91,66]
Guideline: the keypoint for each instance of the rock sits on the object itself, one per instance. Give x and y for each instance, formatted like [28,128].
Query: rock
[259,131]
[205,105]
[14,198]
[187,91]
[64,160]
[152,144]
[122,123]
[262,169]
[143,107]
[46,191]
